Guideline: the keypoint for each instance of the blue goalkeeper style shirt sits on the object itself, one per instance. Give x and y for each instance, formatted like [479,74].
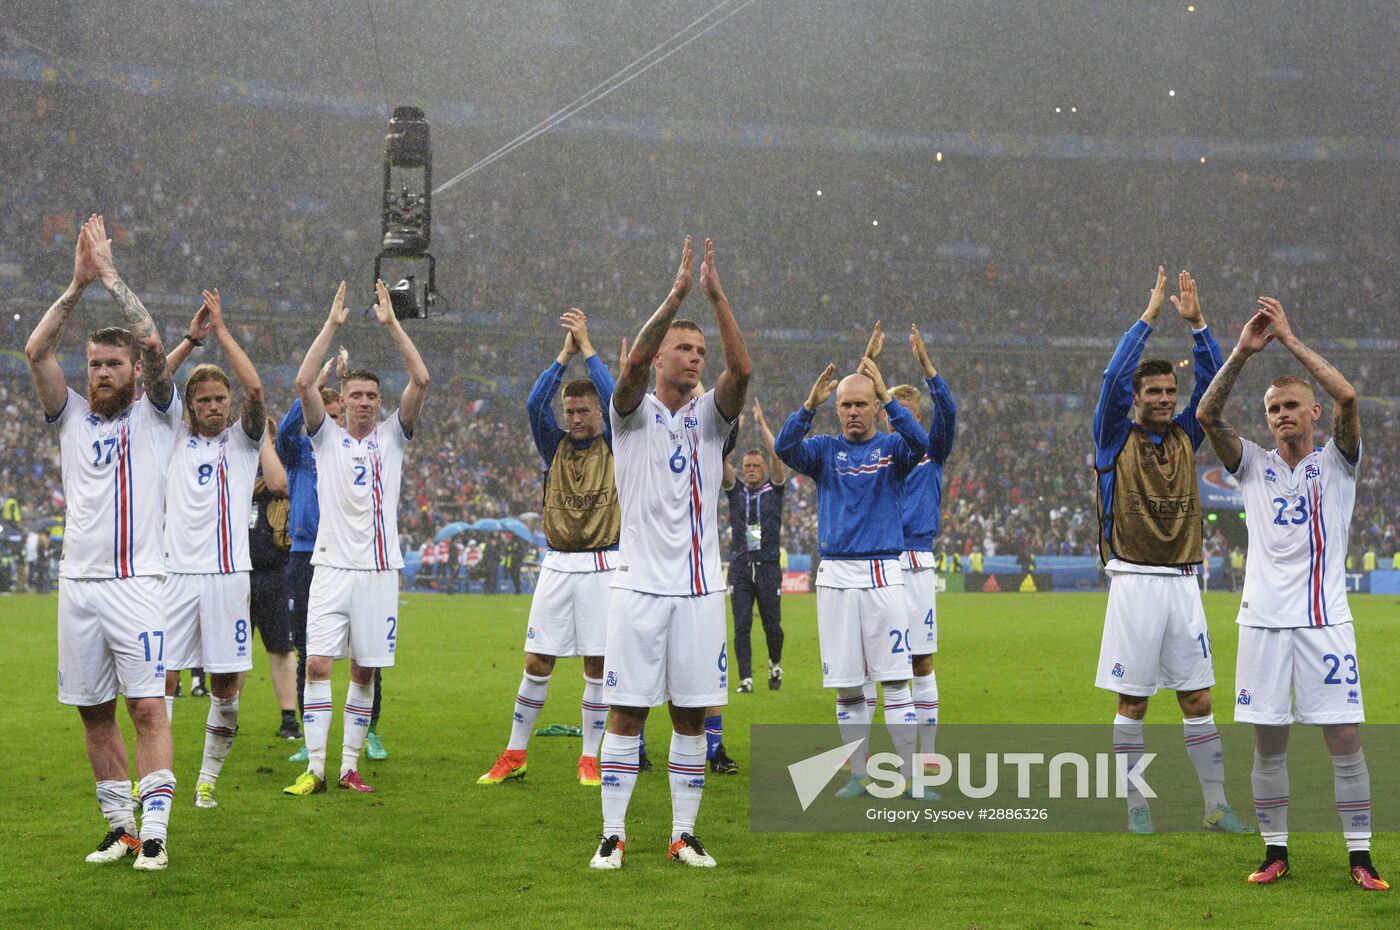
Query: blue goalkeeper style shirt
[923,488]
[1113,422]
[539,404]
[860,485]
[294,449]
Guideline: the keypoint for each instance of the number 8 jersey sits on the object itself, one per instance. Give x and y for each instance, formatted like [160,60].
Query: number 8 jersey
[209,501]
[357,488]
[1299,520]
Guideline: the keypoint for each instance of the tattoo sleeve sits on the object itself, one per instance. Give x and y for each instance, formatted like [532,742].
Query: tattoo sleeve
[1210,413]
[158,382]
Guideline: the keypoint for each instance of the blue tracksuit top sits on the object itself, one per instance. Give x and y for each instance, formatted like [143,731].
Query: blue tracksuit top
[860,485]
[539,404]
[294,449]
[923,488]
[1113,422]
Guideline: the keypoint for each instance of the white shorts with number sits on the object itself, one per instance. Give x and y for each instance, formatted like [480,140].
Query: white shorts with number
[1300,675]
[111,638]
[864,635]
[920,586]
[206,622]
[1154,636]
[666,648]
[569,613]
[355,613]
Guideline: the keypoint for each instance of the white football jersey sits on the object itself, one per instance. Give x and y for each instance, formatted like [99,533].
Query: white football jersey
[208,501]
[114,475]
[1298,520]
[357,488]
[668,469]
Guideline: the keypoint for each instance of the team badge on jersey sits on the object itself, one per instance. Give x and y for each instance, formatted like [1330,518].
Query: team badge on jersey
[1312,471]
[690,422]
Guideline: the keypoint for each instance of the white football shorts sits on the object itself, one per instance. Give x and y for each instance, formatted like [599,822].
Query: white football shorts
[666,648]
[864,634]
[207,623]
[569,613]
[920,585]
[1154,636]
[1298,675]
[353,612]
[111,638]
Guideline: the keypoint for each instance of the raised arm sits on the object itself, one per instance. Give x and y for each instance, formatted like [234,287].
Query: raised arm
[412,401]
[876,344]
[1116,396]
[154,376]
[733,383]
[901,420]
[636,366]
[776,469]
[1210,413]
[1346,419]
[795,451]
[200,325]
[307,379]
[539,405]
[944,428]
[252,416]
[1205,355]
[42,348]
[274,474]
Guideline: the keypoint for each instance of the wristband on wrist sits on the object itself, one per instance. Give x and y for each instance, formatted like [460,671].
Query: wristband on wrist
[193,341]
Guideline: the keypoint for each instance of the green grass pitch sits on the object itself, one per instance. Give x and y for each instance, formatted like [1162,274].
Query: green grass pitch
[431,848]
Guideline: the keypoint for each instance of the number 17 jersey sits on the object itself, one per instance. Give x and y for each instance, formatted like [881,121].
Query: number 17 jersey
[357,488]
[1298,520]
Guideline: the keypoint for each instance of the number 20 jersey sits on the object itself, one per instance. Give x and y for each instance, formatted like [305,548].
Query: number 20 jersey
[114,475]
[668,469]
[1299,520]
[209,502]
[357,488]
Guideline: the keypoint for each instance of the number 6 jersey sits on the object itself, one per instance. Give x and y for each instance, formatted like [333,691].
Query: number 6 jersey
[1298,520]
[357,488]
[209,500]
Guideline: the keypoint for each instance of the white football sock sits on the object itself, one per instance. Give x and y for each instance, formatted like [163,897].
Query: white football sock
[316,724]
[686,767]
[219,731]
[528,701]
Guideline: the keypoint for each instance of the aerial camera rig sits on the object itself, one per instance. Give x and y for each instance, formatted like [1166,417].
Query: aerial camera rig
[407,209]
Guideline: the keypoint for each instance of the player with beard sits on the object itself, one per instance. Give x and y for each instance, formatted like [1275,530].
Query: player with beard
[210,496]
[111,629]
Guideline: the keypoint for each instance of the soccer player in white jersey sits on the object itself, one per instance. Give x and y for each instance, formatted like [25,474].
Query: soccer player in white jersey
[353,605]
[1297,656]
[208,500]
[666,622]
[111,630]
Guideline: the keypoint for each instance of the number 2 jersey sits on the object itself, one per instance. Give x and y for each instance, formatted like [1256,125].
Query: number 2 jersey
[1299,520]
[357,488]
[668,468]
[114,475]
[209,500]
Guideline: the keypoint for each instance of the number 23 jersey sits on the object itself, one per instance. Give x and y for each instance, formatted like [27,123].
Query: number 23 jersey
[209,500]
[1299,520]
[357,488]
[668,469]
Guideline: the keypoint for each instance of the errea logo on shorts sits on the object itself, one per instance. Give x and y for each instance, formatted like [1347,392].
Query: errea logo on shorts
[1244,698]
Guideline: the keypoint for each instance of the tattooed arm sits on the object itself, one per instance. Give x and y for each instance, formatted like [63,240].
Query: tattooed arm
[632,380]
[160,388]
[1346,417]
[42,348]
[1210,413]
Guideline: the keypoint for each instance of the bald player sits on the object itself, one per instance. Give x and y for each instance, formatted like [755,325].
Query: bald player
[862,615]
